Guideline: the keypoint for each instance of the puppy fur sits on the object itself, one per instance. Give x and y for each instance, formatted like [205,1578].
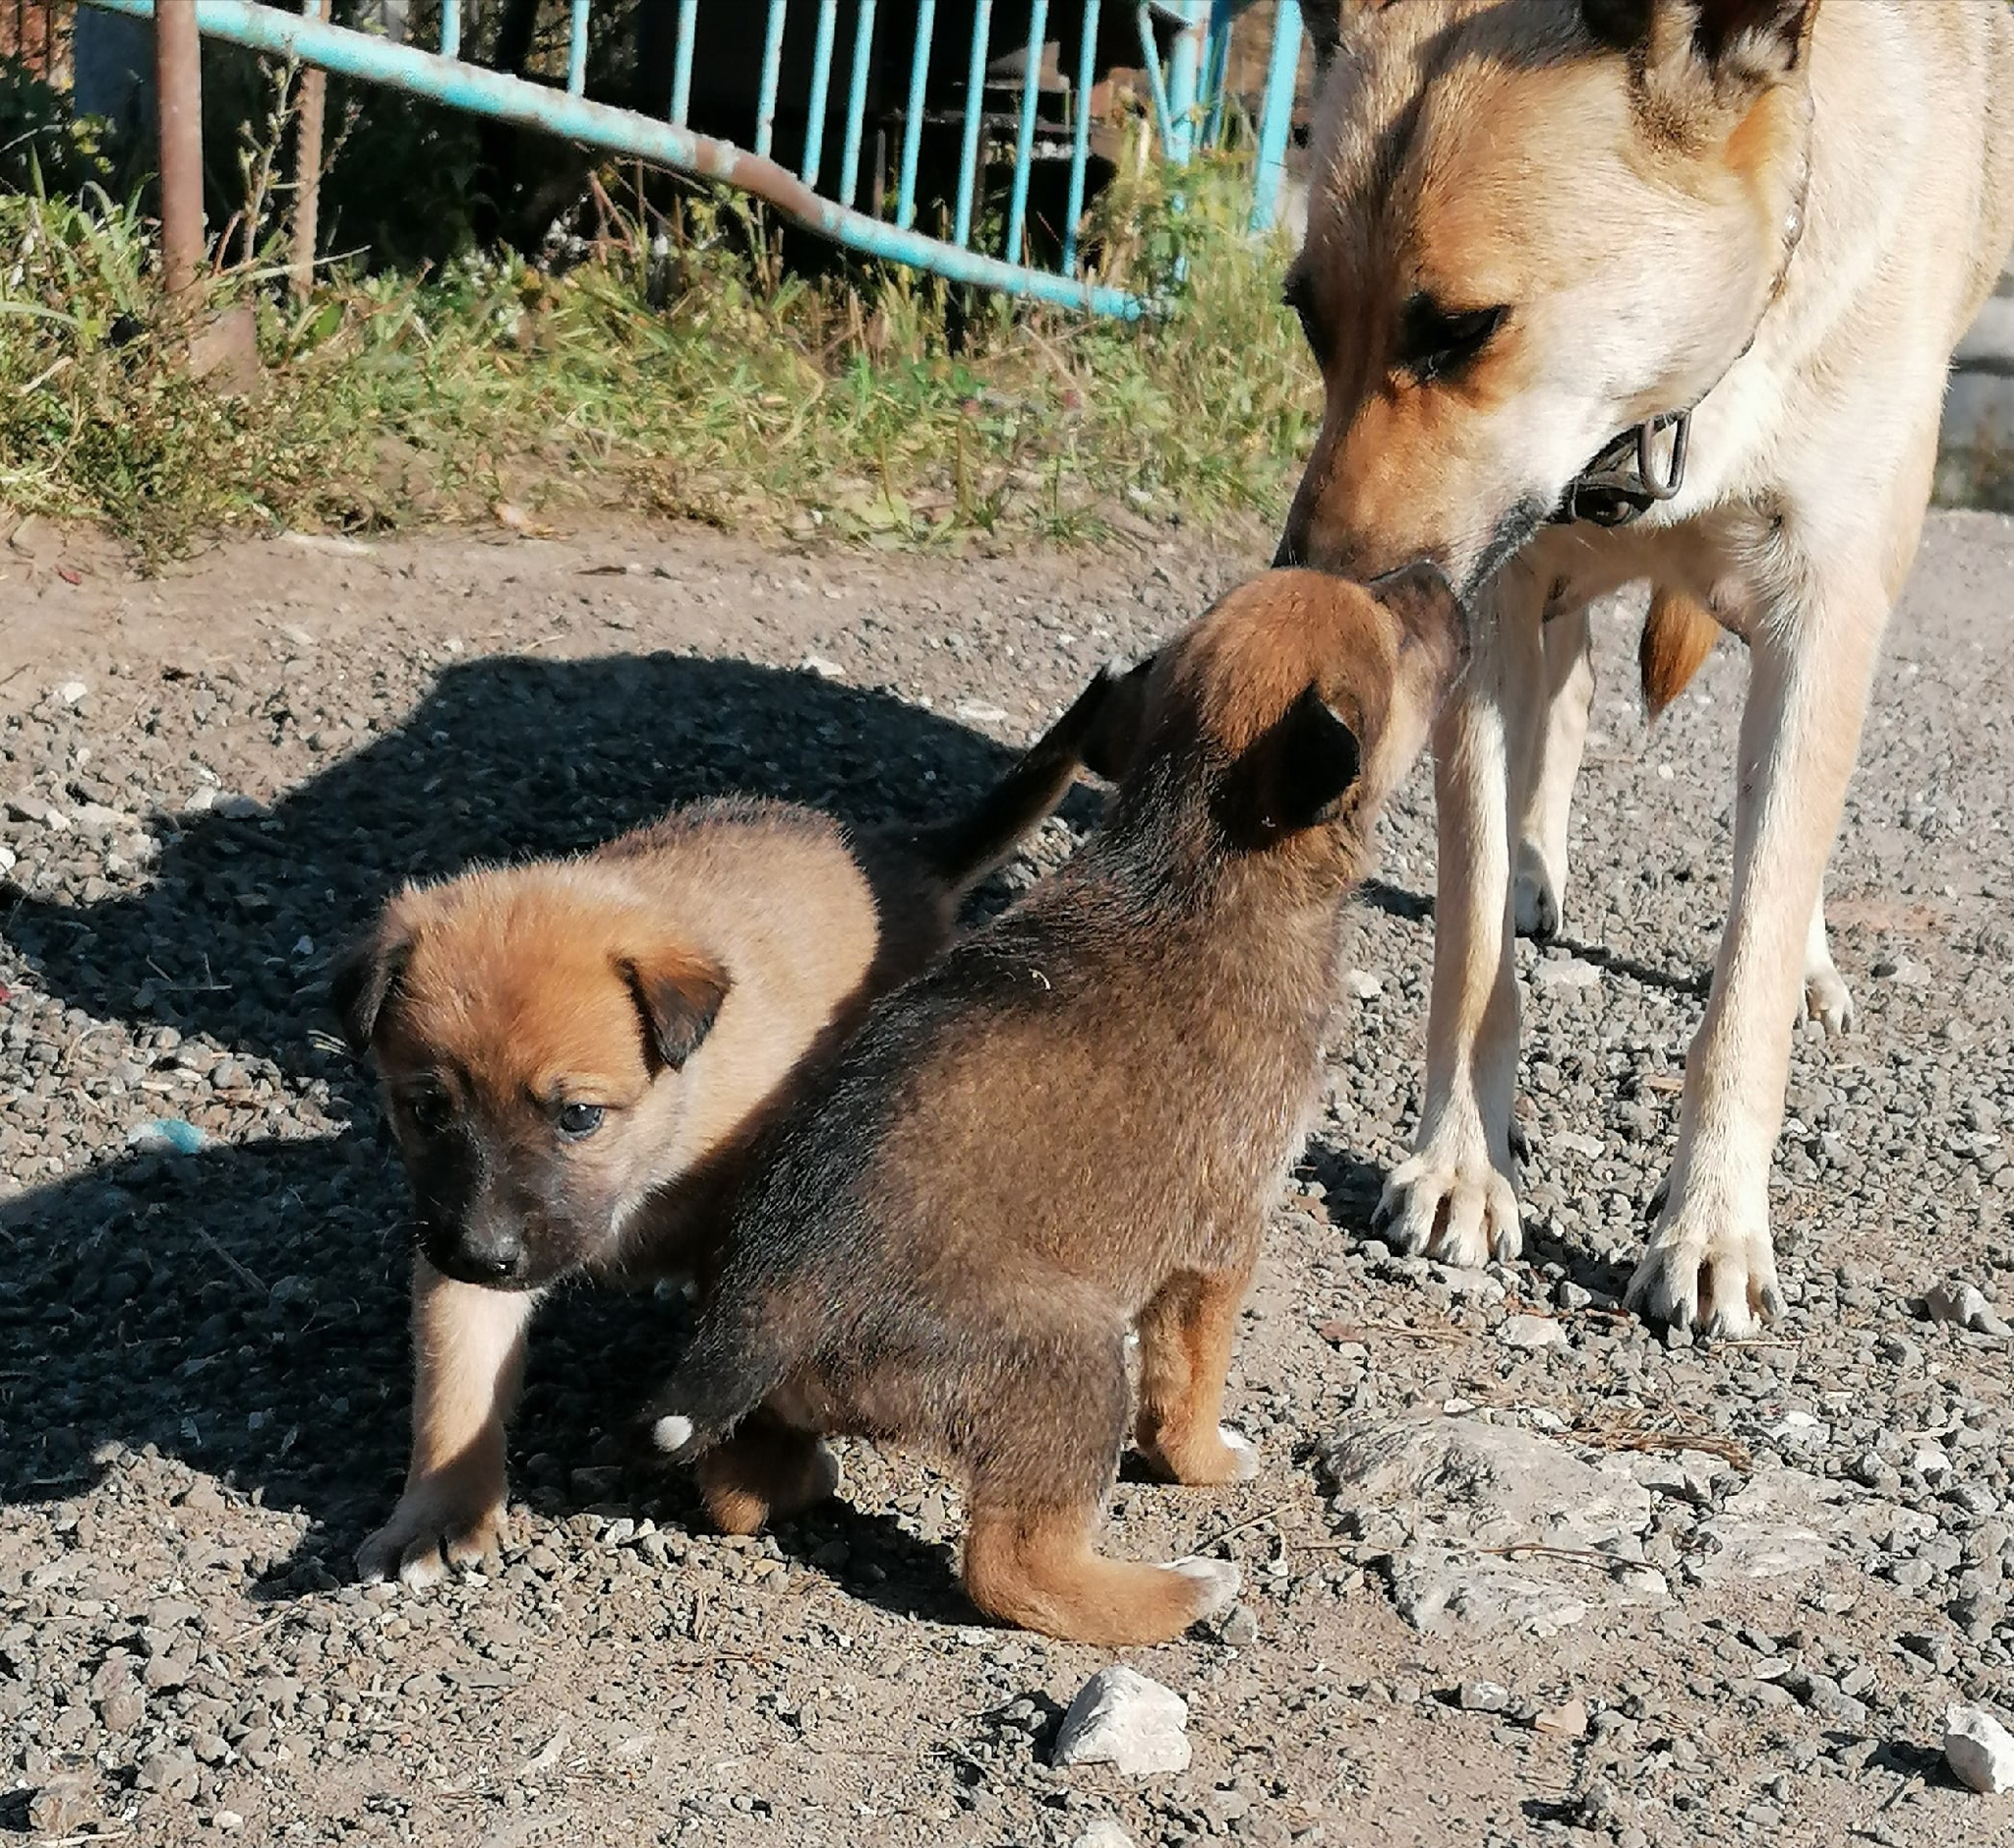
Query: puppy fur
[575,1055]
[1077,1120]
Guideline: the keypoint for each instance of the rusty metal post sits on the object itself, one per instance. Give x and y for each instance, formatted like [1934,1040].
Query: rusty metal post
[178,81]
[308,166]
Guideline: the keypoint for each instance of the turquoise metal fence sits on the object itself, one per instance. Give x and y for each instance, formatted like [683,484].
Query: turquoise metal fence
[1186,84]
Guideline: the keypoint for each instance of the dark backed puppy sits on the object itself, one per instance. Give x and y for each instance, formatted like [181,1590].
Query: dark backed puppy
[1078,1120]
[577,1053]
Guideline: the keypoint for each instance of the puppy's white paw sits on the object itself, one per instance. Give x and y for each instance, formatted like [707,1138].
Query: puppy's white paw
[1453,1207]
[1243,1449]
[671,1433]
[426,1539]
[1706,1271]
[1535,909]
[1217,1581]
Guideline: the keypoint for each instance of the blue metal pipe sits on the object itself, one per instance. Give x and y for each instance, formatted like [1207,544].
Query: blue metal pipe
[577,51]
[913,122]
[598,125]
[1024,142]
[451,25]
[975,107]
[1277,112]
[821,86]
[772,69]
[1183,60]
[1080,135]
[1216,70]
[1156,87]
[856,103]
[681,62]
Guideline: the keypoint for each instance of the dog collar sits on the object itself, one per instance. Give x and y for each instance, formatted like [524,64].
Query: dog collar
[1623,482]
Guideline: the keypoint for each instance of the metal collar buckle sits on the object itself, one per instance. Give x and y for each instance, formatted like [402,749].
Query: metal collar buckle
[1622,482]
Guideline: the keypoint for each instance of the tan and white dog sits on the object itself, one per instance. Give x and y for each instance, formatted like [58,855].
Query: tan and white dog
[1725,248]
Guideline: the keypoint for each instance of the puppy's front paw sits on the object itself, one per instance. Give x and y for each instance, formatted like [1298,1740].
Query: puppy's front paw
[1456,1208]
[1828,1000]
[428,1534]
[1709,1271]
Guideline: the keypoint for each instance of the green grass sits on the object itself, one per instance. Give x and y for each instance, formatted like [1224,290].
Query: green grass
[702,385]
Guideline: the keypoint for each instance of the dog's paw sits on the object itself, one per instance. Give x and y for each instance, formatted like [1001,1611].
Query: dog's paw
[1461,1212]
[1709,1273]
[1217,1584]
[1535,907]
[426,1537]
[1828,1000]
[1243,1451]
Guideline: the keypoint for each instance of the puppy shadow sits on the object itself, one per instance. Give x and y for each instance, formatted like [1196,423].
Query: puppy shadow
[242,1310]
[1692,982]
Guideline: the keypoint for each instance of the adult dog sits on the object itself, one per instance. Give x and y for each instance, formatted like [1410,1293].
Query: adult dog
[1725,248]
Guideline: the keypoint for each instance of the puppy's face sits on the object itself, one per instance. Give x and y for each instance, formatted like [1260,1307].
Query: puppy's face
[1533,223]
[532,1035]
[1289,712]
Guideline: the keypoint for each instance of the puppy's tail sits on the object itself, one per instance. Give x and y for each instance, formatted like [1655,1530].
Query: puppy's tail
[729,1369]
[964,851]
[1677,635]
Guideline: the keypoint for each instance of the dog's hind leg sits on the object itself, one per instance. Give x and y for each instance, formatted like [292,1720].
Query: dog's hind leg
[1553,741]
[767,1471]
[1454,1198]
[1185,1350]
[1826,996]
[1710,1260]
[1039,1440]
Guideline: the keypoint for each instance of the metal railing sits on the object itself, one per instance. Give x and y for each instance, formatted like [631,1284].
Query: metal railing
[1187,93]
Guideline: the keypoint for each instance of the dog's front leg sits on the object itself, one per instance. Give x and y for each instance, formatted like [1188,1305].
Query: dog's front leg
[1710,1260]
[1454,1199]
[1555,735]
[468,1358]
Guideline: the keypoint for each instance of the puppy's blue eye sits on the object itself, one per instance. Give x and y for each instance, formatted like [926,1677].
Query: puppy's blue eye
[579,1119]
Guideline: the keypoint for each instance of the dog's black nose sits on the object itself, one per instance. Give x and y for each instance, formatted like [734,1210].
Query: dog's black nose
[495,1265]
[485,1261]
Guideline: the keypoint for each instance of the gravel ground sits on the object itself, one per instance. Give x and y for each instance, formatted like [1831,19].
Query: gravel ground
[1518,1570]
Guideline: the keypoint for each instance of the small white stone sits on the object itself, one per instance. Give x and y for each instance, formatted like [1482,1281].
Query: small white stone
[1123,1719]
[824,669]
[1978,1751]
[227,1820]
[1931,1462]
[1961,1305]
[1363,984]
[1565,972]
[1531,1333]
[1102,1833]
[974,712]
[70,691]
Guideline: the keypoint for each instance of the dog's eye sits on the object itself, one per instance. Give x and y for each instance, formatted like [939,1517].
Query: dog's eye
[426,1110]
[1434,341]
[579,1119]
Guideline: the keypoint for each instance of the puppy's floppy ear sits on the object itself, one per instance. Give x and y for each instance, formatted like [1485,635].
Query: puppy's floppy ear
[1293,775]
[677,992]
[1113,741]
[364,976]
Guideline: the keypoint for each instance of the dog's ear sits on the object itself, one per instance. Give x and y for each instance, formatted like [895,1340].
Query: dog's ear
[678,994]
[1113,743]
[1760,40]
[364,976]
[1293,775]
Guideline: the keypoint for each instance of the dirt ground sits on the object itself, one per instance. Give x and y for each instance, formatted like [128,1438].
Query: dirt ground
[1560,1580]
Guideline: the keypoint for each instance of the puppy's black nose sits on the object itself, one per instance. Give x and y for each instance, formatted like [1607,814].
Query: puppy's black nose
[492,1265]
[497,1260]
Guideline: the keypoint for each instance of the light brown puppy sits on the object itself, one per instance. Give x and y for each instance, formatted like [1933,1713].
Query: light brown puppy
[577,1053]
[1078,1120]
[1614,290]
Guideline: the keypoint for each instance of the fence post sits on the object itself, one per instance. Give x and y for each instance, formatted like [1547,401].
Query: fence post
[178,84]
[1185,71]
[1277,112]
[308,167]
